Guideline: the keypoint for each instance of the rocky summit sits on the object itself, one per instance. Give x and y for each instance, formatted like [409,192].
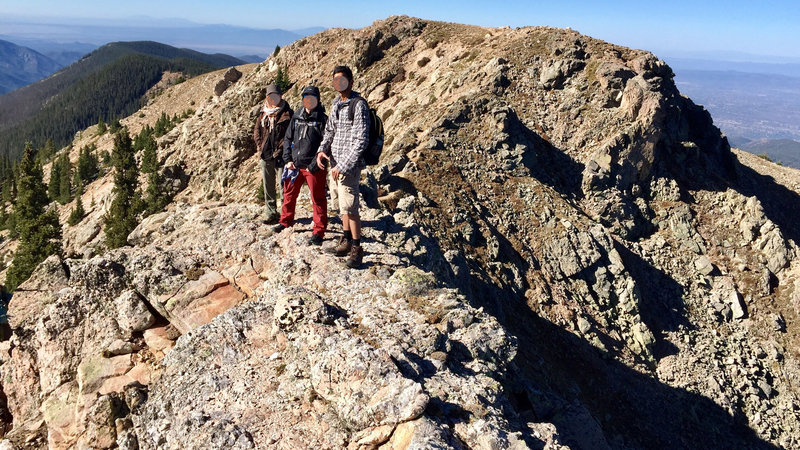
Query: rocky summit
[562,251]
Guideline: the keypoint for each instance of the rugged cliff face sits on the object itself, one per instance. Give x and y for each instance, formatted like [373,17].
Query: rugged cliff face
[561,251]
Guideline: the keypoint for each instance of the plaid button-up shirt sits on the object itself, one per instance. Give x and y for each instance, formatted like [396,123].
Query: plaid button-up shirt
[345,141]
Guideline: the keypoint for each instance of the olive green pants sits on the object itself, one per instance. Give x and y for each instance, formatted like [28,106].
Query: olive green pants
[270,176]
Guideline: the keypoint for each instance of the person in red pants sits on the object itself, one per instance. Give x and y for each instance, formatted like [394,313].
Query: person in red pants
[303,137]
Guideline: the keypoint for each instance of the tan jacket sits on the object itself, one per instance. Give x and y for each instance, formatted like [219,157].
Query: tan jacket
[269,141]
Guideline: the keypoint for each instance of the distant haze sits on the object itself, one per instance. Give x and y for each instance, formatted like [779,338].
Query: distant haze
[228,39]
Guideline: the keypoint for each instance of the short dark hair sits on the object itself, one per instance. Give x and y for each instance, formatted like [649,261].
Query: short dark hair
[344,70]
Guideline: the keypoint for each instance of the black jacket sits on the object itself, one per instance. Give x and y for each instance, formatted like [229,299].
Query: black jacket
[269,141]
[303,137]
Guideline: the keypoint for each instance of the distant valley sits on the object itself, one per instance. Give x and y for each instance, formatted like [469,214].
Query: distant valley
[759,111]
[109,83]
[20,66]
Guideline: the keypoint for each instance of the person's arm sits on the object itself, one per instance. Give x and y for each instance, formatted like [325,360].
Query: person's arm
[359,135]
[321,154]
[327,138]
[258,131]
[288,140]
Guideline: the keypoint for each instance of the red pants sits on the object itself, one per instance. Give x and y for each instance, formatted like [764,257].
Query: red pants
[316,184]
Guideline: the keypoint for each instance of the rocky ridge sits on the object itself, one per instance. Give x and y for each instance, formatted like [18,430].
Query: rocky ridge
[563,250]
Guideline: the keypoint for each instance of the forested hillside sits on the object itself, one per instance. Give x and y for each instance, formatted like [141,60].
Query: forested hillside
[21,65]
[108,83]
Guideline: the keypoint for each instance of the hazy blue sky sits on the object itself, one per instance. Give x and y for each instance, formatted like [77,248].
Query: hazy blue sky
[763,27]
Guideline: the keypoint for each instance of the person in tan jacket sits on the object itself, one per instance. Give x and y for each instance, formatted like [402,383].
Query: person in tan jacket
[268,134]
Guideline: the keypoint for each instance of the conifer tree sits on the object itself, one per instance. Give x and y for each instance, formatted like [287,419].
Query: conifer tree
[282,79]
[277,49]
[115,126]
[77,212]
[121,217]
[101,127]
[149,156]
[162,125]
[87,168]
[47,151]
[65,180]
[3,216]
[39,231]
[54,185]
[155,198]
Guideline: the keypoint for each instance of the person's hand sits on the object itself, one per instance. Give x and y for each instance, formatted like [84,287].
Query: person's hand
[320,157]
[290,165]
[335,173]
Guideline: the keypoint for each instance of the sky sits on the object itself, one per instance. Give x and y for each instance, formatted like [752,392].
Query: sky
[678,26]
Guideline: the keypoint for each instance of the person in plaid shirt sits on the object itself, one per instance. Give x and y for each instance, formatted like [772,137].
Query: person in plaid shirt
[342,146]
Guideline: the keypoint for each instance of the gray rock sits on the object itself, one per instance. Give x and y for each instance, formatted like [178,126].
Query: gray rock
[703,265]
[132,313]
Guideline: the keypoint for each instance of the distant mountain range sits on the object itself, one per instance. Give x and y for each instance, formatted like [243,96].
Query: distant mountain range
[109,82]
[20,66]
[232,40]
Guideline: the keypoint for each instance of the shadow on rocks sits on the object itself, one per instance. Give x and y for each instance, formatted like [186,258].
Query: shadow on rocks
[557,373]
[662,307]
[780,204]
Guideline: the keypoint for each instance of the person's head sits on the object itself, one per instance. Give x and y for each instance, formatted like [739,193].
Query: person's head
[310,97]
[274,96]
[342,78]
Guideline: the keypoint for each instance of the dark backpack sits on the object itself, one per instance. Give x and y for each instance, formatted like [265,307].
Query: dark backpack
[375,138]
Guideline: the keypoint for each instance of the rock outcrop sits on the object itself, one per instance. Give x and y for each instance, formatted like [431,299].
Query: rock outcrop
[562,251]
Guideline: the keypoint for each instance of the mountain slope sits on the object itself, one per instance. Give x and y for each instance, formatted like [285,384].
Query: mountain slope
[562,250]
[20,66]
[107,83]
[787,151]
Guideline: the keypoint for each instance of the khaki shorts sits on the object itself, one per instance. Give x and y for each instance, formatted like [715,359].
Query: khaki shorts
[347,189]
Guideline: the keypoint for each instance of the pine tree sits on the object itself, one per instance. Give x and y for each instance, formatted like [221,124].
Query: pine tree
[162,125]
[282,79]
[121,217]
[142,138]
[155,197]
[54,186]
[65,180]
[47,151]
[277,49]
[101,127]
[115,126]
[39,231]
[78,212]
[87,168]
[149,156]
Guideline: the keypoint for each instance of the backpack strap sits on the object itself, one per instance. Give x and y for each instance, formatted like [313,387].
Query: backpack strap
[351,108]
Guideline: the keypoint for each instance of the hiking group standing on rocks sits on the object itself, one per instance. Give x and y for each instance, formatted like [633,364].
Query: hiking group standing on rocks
[298,147]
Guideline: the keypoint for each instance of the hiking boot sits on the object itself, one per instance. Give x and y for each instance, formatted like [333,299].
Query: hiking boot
[278,228]
[272,219]
[342,248]
[315,239]
[355,257]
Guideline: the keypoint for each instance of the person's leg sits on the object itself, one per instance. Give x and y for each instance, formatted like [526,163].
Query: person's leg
[355,226]
[268,176]
[278,188]
[344,205]
[333,190]
[319,204]
[346,241]
[290,193]
[351,205]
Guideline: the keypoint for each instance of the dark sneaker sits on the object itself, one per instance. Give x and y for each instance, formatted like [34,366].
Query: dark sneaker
[342,248]
[355,257]
[315,239]
[278,228]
